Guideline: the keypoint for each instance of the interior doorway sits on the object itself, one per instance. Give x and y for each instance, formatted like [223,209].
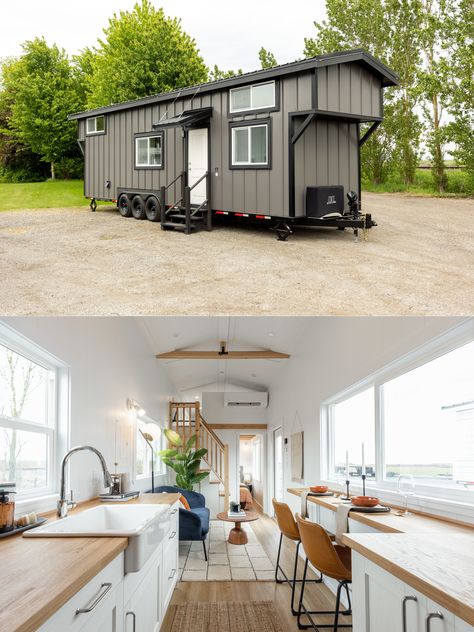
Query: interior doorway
[251,471]
[278,475]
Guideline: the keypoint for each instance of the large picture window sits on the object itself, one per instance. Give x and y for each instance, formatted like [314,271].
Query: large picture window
[149,151]
[28,422]
[258,97]
[250,145]
[416,421]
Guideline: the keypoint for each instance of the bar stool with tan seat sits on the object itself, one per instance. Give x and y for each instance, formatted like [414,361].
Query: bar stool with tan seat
[289,529]
[329,559]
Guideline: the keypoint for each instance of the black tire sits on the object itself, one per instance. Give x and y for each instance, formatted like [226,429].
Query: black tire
[123,204]
[153,209]
[138,207]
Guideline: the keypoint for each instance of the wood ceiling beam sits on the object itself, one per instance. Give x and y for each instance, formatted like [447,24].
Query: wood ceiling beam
[228,355]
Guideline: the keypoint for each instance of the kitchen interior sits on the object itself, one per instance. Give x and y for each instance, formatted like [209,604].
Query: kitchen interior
[368,445]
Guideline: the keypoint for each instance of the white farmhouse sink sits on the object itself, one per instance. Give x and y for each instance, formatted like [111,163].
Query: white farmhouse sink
[144,525]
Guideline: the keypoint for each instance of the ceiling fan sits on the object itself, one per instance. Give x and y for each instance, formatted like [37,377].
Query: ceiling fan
[222,354]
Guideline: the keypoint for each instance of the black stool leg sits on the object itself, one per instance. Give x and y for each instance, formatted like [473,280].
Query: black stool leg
[300,604]
[279,581]
[204,547]
[293,611]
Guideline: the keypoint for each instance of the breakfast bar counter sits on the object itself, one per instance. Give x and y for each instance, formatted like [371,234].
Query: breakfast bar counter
[39,575]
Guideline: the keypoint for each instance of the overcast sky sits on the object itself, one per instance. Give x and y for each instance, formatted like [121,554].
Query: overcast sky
[228,34]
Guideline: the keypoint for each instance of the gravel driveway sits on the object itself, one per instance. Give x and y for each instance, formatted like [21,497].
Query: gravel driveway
[419,260]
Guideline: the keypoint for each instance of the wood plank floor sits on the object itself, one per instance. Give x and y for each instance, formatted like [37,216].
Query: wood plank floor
[317,596]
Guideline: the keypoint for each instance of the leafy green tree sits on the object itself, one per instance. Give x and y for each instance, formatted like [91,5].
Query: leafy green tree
[143,52]
[39,90]
[184,459]
[267,59]
[215,74]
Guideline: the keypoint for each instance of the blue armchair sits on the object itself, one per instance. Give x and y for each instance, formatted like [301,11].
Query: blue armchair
[193,523]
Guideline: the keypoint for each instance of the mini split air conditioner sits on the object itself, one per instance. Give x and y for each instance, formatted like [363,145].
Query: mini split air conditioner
[257,399]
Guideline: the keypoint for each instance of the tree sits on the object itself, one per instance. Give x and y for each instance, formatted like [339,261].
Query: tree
[215,74]
[267,59]
[40,89]
[143,53]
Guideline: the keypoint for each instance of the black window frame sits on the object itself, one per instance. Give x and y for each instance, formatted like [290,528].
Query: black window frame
[265,110]
[102,132]
[251,123]
[153,134]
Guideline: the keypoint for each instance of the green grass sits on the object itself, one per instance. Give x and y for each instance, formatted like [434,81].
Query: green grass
[458,184]
[50,194]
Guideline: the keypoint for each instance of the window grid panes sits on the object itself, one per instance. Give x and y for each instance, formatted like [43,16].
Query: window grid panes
[27,422]
[96,125]
[417,423]
[255,97]
[148,151]
[250,145]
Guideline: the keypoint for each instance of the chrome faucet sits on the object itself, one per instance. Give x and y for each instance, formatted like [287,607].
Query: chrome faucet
[64,503]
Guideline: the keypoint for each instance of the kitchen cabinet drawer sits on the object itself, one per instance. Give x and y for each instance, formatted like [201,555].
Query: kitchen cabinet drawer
[100,599]
[143,610]
[170,567]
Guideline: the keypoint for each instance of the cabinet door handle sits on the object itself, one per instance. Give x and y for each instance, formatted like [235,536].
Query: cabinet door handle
[173,573]
[174,511]
[404,609]
[171,536]
[432,615]
[102,594]
[134,619]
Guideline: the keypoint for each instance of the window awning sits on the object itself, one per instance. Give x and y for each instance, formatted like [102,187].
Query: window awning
[188,118]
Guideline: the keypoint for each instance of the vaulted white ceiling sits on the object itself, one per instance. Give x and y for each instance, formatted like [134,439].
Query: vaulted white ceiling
[241,333]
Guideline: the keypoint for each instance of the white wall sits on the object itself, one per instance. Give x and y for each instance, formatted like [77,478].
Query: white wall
[109,362]
[337,353]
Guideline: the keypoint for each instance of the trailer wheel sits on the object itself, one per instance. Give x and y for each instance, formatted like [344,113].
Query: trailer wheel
[124,205]
[138,207]
[153,209]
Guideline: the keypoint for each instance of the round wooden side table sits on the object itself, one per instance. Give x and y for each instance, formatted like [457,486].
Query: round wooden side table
[237,535]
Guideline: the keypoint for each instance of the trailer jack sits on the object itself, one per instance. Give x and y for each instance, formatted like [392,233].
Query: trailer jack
[93,205]
[283,231]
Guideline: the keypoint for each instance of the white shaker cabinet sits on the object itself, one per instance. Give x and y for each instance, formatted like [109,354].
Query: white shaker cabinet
[381,601]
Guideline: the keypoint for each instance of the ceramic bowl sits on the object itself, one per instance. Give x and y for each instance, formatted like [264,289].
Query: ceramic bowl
[318,489]
[365,501]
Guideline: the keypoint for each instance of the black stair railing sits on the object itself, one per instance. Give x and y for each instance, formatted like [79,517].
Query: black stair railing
[165,211]
[190,213]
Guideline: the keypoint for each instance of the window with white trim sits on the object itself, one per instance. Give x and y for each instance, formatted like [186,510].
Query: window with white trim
[149,151]
[28,420]
[258,97]
[416,419]
[250,145]
[95,125]
[145,454]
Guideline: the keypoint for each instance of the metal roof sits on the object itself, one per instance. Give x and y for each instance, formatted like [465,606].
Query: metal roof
[389,78]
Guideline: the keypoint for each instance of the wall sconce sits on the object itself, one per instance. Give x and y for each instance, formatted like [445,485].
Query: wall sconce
[132,404]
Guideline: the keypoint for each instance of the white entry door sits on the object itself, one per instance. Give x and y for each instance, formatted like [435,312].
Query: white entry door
[197,163]
[278,464]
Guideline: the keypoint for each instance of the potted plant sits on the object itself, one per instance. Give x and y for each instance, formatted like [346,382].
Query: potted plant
[184,460]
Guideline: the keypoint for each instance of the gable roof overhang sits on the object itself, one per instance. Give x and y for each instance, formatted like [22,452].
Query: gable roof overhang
[387,76]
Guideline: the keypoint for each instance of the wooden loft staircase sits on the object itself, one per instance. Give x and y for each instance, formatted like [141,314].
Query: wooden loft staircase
[185,418]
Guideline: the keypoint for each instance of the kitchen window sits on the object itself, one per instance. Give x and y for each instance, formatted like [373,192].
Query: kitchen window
[149,152]
[416,420]
[261,96]
[250,145]
[95,125]
[29,382]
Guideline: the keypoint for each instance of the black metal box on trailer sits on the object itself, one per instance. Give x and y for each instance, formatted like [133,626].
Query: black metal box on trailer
[324,201]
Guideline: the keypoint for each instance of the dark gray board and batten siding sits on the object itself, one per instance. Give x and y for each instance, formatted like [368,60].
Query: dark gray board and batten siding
[326,154]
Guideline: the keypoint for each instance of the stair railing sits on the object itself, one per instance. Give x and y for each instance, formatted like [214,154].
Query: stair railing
[165,211]
[207,203]
[185,418]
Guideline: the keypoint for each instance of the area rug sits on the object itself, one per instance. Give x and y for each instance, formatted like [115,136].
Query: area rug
[232,616]
[226,562]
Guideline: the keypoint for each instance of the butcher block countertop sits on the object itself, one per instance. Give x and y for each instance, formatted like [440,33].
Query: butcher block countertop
[440,568]
[39,575]
[390,522]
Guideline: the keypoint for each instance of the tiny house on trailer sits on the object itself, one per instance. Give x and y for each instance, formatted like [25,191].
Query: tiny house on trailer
[280,145]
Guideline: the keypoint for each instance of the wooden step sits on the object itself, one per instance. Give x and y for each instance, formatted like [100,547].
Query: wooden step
[179,216]
[215,482]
